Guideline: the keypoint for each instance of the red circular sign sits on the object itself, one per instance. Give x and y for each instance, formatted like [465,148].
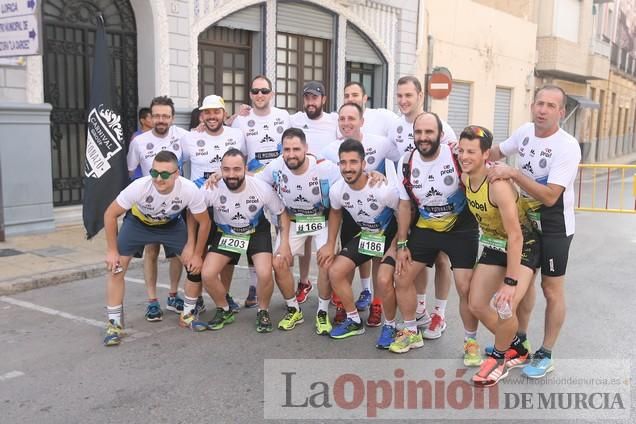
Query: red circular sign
[440,83]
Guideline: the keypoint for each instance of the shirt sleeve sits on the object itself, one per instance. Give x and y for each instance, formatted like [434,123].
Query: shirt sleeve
[334,196]
[565,166]
[449,135]
[132,159]
[510,146]
[400,176]
[390,196]
[197,201]
[270,198]
[128,196]
[267,174]
[186,146]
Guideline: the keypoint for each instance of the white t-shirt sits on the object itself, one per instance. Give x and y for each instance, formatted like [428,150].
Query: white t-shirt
[555,160]
[204,151]
[153,208]
[401,137]
[306,194]
[437,188]
[378,121]
[262,136]
[320,132]
[372,208]
[241,212]
[145,147]
[376,150]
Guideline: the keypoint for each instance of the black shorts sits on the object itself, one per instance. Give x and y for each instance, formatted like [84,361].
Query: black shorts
[460,244]
[555,250]
[260,242]
[350,249]
[530,254]
[348,229]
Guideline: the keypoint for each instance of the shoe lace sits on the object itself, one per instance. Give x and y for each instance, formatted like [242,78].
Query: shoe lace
[536,359]
[322,317]
[263,317]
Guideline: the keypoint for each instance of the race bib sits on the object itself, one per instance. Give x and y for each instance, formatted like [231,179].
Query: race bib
[309,225]
[371,244]
[493,243]
[234,243]
[535,219]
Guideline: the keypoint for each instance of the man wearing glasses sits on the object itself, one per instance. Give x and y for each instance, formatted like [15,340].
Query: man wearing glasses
[153,204]
[163,137]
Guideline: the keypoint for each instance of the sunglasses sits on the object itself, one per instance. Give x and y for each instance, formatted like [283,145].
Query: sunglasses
[255,91]
[478,131]
[163,174]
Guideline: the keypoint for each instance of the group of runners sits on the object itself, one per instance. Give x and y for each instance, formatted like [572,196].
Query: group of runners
[363,188]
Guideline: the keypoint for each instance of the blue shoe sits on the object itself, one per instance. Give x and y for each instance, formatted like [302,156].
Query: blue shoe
[538,367]
[234,307]
[387,336]
[251,301]
[347,329]
[174,304]
[364,301]
[113,334]
[153,312]
[199,307]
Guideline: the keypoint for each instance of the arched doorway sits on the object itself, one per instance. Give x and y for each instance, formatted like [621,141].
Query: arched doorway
[68,44]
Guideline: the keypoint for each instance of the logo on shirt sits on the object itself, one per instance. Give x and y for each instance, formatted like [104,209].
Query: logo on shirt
[400,129]
[238,216]
[360,203]
[222,199]
[546,153]
[300,198]
[251,200]
[433,192]
[345,196]
[267,139]
[149,199]
[525,141]
[447,170]
[370,160]
[431,178]
[175,146]
[543,163]
[315,190]
[362,213]
[251,123]
[175,207]
[200,143]
[252,208]
[528,168]
[149,146]
[279,130]
[415,172]
[531,153]
[285,179]
[449,180]
[237,205]
[374,206]
[305,127]
[299,187]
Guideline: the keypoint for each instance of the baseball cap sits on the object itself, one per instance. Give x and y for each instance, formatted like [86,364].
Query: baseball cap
[213,102]
[314,87]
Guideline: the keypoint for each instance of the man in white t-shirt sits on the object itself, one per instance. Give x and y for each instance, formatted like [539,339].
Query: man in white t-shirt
[548,159]
[164,137]
[376,121]
[155,204]
[320,129]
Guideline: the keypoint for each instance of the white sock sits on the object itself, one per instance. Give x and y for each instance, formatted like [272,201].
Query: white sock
[390,323]
[323,304]
[292,303]
[114,313]
[470,334]
[189,303]
[440,307]
[411,325]
[354,316]
[366,284]
[253,279]
[421,304]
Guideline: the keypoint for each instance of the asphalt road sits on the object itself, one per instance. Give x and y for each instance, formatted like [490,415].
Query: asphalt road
[54,369]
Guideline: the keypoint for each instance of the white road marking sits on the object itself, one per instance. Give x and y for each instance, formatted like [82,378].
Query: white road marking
[10,375]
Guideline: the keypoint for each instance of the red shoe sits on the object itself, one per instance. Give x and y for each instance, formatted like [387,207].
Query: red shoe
[303,291]
[335,300]
[375,315]
[341,315]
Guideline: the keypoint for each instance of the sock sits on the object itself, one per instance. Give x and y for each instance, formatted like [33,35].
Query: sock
[440,307]
[253,278]
[522,336]
[189,303]
[411,325]
[226,308]
[354,316]
[377,301]
[497,354]
[421,304]
[366,283]
[517,345]
[292,303]
[389,322]
[153,300]
[323,304]
[470,334]
[114,314]
[545,352]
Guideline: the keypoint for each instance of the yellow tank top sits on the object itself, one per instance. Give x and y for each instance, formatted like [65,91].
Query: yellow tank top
[488,215]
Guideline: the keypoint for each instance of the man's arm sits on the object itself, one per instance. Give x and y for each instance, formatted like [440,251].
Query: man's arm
[113,212]
[546,194]
[284,249]
[404,222]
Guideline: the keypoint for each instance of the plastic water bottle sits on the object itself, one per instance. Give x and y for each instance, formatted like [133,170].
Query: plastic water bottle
[504,312]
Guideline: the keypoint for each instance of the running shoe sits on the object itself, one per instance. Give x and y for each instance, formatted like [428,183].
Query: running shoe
[175,304]
[490,372]
[364,300]
[514,359]
[113,334]
[387,336]
[263,322]
[406,340]
[291,318]
[323,326]
[423,320]
[375,315]
[220,318]
[526,343]
[303,291]
[234,307]
[346,329]
[539,366]
[335,300]
[435,328]
[251,301]
[341,315]
[190,321]
[153,311]
[200,306]
[472,357]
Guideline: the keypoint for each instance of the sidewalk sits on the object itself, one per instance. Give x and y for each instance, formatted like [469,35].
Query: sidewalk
[40,260]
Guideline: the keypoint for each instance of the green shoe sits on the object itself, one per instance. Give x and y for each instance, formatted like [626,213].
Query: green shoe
[472,358]
[113,334]
[406,340]
[190,321]
[221,318]
[263,322]
[323,326]
[291,318]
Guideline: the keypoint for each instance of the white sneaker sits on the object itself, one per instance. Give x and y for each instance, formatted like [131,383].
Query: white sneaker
[435,328]
[423,320]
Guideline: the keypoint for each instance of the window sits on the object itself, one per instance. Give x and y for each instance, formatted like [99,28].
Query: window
[459,106]
[501,127]
[364,73]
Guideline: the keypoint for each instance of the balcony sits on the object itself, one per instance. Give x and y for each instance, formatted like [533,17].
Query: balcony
[601,48]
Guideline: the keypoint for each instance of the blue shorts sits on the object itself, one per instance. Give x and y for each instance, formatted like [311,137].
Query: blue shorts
[134,235]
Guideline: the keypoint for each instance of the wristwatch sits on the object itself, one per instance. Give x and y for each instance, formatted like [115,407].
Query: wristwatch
[510,281]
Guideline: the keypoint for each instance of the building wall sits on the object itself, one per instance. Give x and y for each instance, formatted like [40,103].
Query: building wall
[483,55]
[13,81]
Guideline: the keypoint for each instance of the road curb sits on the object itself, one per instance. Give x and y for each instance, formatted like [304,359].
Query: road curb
[53,278]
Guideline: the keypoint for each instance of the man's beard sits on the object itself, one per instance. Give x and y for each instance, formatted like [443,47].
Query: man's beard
[233,183]
[295,167]
[432,151]
[313,113]
[213,129]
